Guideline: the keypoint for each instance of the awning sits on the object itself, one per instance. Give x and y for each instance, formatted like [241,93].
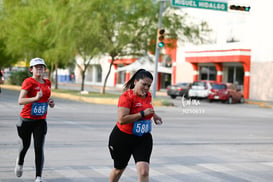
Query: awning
[145,62]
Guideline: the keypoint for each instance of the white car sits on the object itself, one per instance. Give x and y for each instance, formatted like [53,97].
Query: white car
[200,89]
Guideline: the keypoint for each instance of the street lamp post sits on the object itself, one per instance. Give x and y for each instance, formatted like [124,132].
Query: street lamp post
[157,49]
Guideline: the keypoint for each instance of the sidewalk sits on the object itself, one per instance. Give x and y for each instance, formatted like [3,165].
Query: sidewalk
[96,88]
[116,90]
[89,88]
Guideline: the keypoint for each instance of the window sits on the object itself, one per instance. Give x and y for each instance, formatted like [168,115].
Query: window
[99,74]
[236,75]
[121,77]
[207,73]
[219,86]
[89,74]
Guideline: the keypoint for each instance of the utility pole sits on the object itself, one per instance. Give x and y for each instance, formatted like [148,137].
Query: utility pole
[157,49]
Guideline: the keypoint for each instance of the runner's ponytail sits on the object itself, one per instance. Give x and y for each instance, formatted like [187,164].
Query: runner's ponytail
[140,74]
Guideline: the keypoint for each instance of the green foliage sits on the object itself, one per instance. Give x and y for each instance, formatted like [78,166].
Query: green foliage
[17,78]
[57,30]
[126,27]
[37,28]
[5,59]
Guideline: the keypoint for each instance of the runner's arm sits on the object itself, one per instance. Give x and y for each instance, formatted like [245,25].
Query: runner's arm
[124,116]
[22,100]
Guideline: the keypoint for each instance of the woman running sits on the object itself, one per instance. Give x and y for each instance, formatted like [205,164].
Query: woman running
[35,96]
[132,133]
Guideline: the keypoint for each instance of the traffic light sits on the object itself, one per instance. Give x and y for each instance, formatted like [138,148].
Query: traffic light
[239,8]
[160,38]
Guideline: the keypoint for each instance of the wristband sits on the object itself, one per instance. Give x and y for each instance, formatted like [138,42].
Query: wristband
[142,114]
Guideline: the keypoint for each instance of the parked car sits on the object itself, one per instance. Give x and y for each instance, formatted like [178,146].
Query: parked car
[226,92]
[200,89]
[179,89]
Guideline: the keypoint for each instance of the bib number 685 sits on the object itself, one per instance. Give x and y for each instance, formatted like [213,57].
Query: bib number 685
[39,109]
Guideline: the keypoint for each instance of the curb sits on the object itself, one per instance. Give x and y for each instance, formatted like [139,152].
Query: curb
[114,101]
[11,87]
[260,104]
[94,100]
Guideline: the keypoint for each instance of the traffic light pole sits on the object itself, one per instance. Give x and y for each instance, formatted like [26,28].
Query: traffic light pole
[157,49]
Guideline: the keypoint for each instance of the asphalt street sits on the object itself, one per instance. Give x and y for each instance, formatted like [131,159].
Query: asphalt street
[198,142]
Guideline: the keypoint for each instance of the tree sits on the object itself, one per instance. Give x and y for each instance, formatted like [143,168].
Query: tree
[88,44]
[6,60]
[129,28]
[39,29]
[58,30]
[123,29]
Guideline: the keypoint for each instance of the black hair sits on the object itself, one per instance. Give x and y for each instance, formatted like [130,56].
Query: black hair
[140,74]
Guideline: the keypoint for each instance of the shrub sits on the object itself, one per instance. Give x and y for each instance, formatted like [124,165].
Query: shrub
[17,78]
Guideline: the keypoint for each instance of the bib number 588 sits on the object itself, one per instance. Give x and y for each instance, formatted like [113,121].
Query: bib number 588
[141,127]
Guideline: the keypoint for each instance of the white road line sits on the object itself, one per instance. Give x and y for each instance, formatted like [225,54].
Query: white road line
[68,172]
[216,167]
[185,170]
[160,176]
[105,171]
[236,170]
[268,164]
[182,169]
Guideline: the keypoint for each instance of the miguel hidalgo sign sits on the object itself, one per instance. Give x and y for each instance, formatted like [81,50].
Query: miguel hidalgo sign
[212,5]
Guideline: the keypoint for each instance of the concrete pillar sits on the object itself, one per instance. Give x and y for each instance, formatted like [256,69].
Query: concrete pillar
[246,66]
[219,69]
[195,71]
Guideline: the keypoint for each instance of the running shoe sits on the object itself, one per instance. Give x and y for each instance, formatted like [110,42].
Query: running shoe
[38,179]
[18,170]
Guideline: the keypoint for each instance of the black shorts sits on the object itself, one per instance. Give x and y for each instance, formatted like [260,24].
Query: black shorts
[122,146]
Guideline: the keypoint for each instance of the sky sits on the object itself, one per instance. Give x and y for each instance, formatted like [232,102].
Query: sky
[254,29]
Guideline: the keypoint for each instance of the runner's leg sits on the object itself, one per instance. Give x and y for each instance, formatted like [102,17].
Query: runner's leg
[39,138]
[24,132]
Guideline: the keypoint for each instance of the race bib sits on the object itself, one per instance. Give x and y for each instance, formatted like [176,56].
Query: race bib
[141,127]
[39,109]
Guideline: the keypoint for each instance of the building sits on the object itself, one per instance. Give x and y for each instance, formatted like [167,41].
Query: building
[241,52]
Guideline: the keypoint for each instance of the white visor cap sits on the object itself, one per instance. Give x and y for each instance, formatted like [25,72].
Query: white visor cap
[36,61]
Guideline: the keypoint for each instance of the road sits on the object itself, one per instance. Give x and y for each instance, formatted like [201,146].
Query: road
[198,142]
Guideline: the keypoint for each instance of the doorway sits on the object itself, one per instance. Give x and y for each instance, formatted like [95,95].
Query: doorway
[207,73]
[236,75]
